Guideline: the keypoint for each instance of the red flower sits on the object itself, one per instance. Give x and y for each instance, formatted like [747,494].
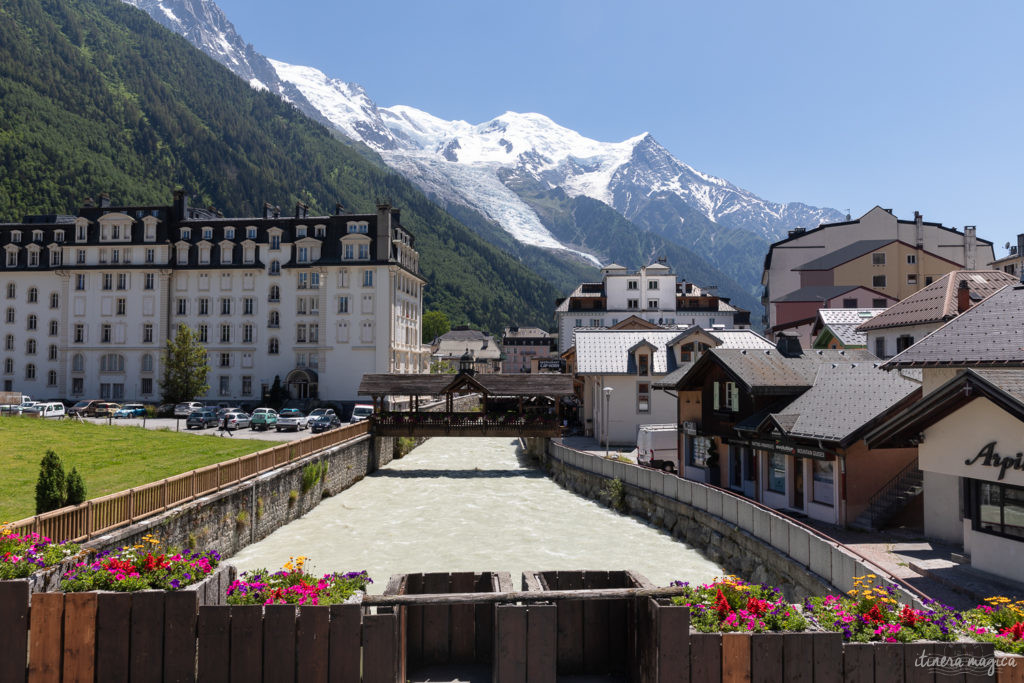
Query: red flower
[1015,632]
[874,615]
[909,617]
[153,563]
[722,605]
[758,607]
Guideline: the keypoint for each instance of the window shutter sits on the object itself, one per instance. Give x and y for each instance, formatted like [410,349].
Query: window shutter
[715,404]
[735,396]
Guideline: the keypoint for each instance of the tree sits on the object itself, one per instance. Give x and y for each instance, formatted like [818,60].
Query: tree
[442,367]
[76,488]
[435,323]
[185,367]
[51,487]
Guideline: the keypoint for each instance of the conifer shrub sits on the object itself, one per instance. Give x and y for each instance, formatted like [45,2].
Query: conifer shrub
[51,487]
[75,488]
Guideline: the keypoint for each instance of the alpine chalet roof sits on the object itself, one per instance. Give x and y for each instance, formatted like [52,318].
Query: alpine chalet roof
[844,398]
[607,352]
[819,293]
[767,371]
[936,303]
[844,254]
[726,339]
[842,323]
[989,333]
[541,384]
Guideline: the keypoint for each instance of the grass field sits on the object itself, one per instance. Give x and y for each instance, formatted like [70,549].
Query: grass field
[109,458]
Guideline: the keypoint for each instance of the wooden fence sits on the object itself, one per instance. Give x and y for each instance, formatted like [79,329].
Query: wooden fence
[106,513]
[153,635]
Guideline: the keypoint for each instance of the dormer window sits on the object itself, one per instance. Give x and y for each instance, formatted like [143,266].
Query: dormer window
[320,231]
[207,233]
[80,233]
[248,254]
[16,236]
[303,255]
[186,233]
[149,234]
[358,228]
[204,255]
[115,232]
[643,366]
[300,231]
[58,236]
[37,235]
[250,233]
[364,252]
[275,242]
[229,233]
[182,255]
[225,254]
[12,257]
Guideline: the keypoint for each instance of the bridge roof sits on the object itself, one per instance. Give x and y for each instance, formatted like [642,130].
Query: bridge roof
[541,384]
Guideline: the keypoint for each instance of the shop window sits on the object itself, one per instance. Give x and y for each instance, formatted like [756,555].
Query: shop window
[823,476]
[999,509]
[777,473]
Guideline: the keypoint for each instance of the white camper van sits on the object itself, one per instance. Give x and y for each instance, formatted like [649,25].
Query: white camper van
[658,446]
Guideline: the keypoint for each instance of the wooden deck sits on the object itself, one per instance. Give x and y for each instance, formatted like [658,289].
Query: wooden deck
[463,424]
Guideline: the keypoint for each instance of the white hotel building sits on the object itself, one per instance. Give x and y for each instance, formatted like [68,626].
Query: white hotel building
[317,301]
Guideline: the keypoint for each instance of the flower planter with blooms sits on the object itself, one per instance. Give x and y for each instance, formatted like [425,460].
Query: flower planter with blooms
[871,613]
[23,555]
[293,585]
[730,604]
[140,567]
[1000,622]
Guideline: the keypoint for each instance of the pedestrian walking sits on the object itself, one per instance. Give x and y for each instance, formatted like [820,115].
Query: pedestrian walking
[225,426]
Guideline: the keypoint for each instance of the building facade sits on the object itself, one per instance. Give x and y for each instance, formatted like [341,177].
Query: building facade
[878,251]
[525,347]
[653,293]
[314,301]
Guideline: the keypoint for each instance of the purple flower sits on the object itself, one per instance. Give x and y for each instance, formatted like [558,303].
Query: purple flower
[175,583]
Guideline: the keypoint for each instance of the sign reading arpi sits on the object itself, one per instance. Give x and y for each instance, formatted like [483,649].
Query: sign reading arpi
[993,459]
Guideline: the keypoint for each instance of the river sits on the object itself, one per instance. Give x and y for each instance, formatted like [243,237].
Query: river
[471,504]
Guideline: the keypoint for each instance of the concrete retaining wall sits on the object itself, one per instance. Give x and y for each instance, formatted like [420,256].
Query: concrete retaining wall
[745,538]
[236,516]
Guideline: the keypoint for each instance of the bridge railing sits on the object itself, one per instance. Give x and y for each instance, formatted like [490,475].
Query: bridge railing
[106,513]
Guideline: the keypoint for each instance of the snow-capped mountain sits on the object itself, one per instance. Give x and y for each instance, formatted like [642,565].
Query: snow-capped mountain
[496,168]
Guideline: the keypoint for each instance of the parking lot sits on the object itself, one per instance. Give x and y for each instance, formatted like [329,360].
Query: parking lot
[179,425]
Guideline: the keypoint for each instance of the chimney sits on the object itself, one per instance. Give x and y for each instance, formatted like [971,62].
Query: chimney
[88,203]
[277,212]
[789,345]
[337,209]
[919,224]
[963,297]
[298,209]
[970,246]
[1020,252]
[104,200]
[383,241]
[180,205]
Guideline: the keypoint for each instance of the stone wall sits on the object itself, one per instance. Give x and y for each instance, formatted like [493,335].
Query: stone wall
[247,512]
[744,538]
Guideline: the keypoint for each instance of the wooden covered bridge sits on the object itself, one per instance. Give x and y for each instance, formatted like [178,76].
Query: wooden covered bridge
[510,405]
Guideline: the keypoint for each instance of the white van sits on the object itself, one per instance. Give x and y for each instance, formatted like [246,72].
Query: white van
[52,410]
[658,446]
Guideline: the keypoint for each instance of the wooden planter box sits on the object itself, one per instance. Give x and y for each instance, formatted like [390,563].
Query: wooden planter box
[444,634]
[594,637]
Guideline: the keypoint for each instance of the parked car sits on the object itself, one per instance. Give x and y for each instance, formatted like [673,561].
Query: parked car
[361,412]
[263,419]
[221,412]
[84,408]
[321,423]
[291,418]
[237,420]
[131,410]
[165,410]
[321,411]
[105,409]
[201,419]
[187,408]
[53,409]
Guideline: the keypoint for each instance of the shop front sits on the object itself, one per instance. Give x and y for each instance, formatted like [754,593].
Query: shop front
[796,478]
[971,451]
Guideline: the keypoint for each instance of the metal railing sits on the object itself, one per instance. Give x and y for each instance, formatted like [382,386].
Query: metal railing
[889,493]
[106,513]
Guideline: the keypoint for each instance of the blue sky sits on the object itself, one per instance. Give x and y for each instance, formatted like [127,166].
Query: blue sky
[908,105]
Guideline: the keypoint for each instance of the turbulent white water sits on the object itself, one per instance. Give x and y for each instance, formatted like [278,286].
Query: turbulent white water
[462,504]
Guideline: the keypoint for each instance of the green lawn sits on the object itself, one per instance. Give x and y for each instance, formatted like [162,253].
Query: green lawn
[109,458]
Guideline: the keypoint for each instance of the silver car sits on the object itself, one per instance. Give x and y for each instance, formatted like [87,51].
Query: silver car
[236,420]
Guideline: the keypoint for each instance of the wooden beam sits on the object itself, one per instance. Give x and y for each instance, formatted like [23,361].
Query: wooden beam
[521,596]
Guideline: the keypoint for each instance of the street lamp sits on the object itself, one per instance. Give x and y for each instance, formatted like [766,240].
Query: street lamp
[607,401]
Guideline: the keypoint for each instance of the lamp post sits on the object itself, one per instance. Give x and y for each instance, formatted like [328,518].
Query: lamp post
[607,401]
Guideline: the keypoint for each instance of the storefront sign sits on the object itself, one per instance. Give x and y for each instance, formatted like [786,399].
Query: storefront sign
[554,364]
[786,449]
[989,458]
